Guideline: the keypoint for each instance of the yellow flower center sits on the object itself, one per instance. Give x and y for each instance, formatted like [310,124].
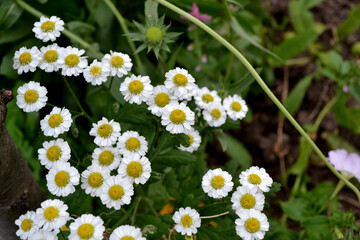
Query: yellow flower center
[86,231]
[26,225]
[53,153]
[177,116]
[132,144]
[236,106]
[106,158]
[72,60]
[117,61]
[25,58]
[252,225]
[95,180]
[180,80]
[95,71]
[153,34]
[55,120]
[127,238]
[191,140]
[254,179]
[31,96]
[215,113]
[247,201]
[105,130]
[116,192]
[207,98]
[186,220]
[162,99]
[51,56]
[136,87]
[50,213]
[217,182]
[48,26]
[62,178]
[134,169]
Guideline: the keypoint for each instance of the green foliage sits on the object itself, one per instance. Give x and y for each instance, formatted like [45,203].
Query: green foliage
[351,24]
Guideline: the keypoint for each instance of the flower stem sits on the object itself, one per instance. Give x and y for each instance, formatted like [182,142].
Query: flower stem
[127,214]
[214,216]
[263,85]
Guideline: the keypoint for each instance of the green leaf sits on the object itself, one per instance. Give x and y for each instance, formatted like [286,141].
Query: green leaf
[174,158]
[332,60]
[16,33]
[80,28]
[350,25]
[355,90]
[243,83]
[294,209]
[347,117]
[240,157]
[334,141]
[9,14]
[151,10]
[302,161]
[239,3]
[300,16]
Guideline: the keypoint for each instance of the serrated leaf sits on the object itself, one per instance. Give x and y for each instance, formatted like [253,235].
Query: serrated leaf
[296,96]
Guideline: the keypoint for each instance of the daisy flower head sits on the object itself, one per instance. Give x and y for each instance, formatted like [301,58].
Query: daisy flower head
[93,178]
[187,221]
[56,122]
[136,169]
[26,60]
[62,178]
[180,83]
[52,215]
[235,107]
[131,144]
[252,225]
[54,151]
[71,62]
[48,28]
[258,177]
[159,98]
[194,140]
[126,232]
[105,132]
[118,63]
[28,225]
[215,115]
[204,97]
[177,118]
[50,58]
[136,89]
[116,191]
[44,235]
[246,197]
[88,227]
[106,157]
[31,97]
[217,183]
[96,73]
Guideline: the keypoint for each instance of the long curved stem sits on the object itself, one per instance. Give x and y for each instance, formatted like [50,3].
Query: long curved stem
[263,86]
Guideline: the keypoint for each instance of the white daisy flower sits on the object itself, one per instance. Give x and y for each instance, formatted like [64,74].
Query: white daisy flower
[251,225]
[93,178]
[56,122]
[31,97]
[136,89]
[106,157]
[246,197]
[217,183]
[137,170]
[50,58]
[177,118]
[258,177]
[28,225]
[126,232]
[71,62]
[96,73]
[48,28]
[215,115]
[131,144]
[159,98]
[54,151]
[44,235]
[105,132]
[26,60]
[118,63]
[235,107]
[52,215]
[194,140]
[116,191]
[187,221]
[204,98]
[88,227]
[180,83]
[62,178]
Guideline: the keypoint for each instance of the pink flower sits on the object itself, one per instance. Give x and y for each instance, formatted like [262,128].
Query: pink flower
[345,162]
[195,12]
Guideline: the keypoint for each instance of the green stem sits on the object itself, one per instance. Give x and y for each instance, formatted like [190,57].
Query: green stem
[135,211]
[323,113]
[142,194]
[127,214]
[263,86]
[125,29]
